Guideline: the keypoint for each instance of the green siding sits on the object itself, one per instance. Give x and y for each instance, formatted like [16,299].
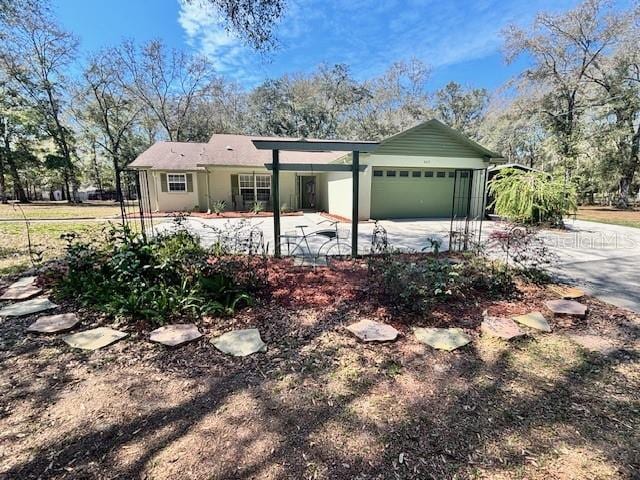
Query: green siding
[431,140]
[410,197]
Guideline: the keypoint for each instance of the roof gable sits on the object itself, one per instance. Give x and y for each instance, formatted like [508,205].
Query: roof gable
[433,139]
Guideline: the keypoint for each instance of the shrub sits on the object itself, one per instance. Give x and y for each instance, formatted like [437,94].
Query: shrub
[167,276]
[218,206]
[531,197]
[524,251]
[415,283]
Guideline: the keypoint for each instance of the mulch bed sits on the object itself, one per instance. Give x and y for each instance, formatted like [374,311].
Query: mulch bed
[319,404]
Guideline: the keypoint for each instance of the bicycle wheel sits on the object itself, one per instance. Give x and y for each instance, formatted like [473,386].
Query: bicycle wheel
[336,253]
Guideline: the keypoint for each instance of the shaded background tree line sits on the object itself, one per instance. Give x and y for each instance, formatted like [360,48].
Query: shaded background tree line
[575,111]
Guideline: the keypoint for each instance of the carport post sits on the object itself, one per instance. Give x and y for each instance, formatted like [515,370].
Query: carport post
[275,201]
[356,197]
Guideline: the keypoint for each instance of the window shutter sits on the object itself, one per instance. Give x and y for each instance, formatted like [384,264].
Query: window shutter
[235,189]
[163,182]
[189,182]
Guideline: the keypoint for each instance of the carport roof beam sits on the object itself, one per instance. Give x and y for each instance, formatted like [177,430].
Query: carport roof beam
[305,145]
[315,167]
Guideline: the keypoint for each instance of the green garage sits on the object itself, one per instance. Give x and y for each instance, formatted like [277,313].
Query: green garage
[411,193]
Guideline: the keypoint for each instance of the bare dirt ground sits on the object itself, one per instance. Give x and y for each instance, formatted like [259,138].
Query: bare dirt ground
[319,404]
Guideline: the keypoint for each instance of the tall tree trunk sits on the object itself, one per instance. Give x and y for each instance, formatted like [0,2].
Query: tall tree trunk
[96,169]
[21,196]
[116,167]
[3,184]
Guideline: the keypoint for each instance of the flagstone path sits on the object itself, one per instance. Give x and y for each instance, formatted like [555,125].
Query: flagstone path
[174,335]
[370,331]
[27,307]
[240,343]
[447,339]
[535,320]
[94,339]
[54,323]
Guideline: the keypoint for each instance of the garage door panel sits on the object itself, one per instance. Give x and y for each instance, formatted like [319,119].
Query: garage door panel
[402,197]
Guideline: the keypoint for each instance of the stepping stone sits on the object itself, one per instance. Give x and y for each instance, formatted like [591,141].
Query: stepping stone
[240,343]
[20,293]
[442,338]
[54,323]
[534,320]
[567,307]
[27,308]
[501,327]
[23,282]
[568,293]
[173,335]
[370,331]
[94,339]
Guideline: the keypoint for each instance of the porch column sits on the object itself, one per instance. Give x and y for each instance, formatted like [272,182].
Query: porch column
[355,175]
[206,172]
[275,201]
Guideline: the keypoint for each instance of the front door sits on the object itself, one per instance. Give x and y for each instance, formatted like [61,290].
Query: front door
[307,192]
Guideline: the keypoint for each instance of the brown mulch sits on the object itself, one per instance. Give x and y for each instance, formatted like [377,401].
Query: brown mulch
[319,404]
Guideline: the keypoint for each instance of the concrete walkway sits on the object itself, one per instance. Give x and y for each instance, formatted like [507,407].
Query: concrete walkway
[602,259]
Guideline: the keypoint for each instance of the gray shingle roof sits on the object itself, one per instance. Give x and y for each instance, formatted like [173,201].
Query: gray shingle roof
[222,149]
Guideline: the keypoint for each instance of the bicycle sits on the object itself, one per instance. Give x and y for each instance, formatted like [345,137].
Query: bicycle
[330,244]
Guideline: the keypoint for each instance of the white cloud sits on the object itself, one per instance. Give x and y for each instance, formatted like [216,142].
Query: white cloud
[206,33]
[366,34]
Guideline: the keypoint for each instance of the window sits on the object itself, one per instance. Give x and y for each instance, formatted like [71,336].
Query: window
[452,174]
[377,173]
[255,187]
[442,174]
[177,182]
[464,174]
[404,173]
[428,174]
[416,174]
[391,173]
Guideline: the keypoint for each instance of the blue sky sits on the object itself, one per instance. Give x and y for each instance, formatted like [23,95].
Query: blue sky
[460,40]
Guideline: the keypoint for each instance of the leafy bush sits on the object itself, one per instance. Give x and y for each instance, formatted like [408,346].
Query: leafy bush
[531,197]
[167,276]
[524,251]
[218,206]
[415,283]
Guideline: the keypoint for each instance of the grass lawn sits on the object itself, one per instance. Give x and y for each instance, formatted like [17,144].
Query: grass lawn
[45,238]
[627,218]
[321,405]
[55,210]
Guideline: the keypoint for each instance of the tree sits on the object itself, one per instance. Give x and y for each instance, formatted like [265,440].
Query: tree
[252,20]
[563,49]
[35,56]
[168,83]
[531,197]
[107,109]
[462,109]
[395,100]
[18,132]
[304,106]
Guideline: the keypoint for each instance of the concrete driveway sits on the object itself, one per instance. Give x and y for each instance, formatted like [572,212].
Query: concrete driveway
[602,259]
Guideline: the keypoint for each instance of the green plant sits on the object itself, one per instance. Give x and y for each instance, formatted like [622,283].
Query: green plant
[218,206]
[167,276]
[414,283]
[532,197]
[257,207]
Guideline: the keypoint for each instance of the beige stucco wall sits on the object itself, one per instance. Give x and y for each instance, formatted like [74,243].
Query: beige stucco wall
[339,188]
[219,189]
[174,201]
[220,184]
